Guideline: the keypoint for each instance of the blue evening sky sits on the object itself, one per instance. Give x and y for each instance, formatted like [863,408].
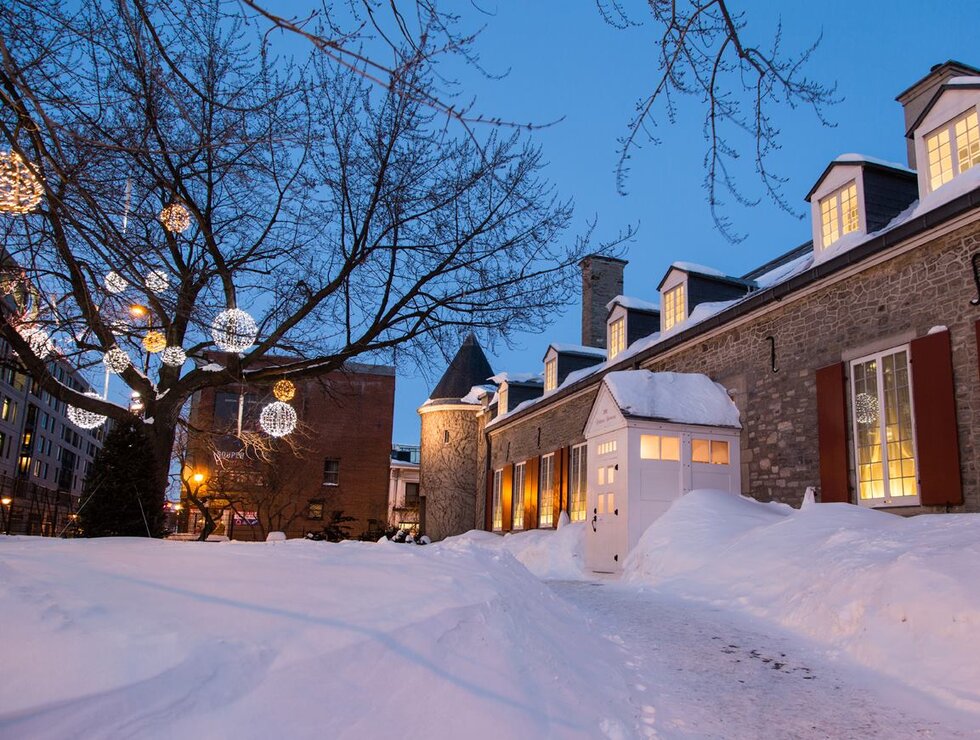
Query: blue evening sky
[565,61]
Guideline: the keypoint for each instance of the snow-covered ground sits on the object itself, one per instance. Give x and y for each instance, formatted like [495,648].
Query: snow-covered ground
[734,619]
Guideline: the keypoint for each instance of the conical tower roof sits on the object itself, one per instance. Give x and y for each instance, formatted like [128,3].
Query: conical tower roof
[468,368]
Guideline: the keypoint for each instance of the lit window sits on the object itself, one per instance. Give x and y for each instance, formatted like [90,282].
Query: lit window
[546,488]
[498,502]
[517,509]
[675,306]
[611,474]
[578,470]
[606,448]
[657,447]
[953,149]
[881,405]
[617,337]
[839,214]
[551,374]
[331,472]
[315,510]
[710,451]
[602,476]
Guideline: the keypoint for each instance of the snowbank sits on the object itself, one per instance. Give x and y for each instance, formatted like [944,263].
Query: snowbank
[139,638]
[898,595]
[550,554]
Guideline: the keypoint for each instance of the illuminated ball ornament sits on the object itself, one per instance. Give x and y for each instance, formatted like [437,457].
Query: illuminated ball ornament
[278,419]
[173,356]
[116,360]
[154,342]
[865,408]
[175,218]
[284,390]
[39,340]
[157,281]
[234,330]
[85,419]
[114,282]
[20,186]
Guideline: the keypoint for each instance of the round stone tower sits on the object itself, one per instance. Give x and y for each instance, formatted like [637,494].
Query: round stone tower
[450,445]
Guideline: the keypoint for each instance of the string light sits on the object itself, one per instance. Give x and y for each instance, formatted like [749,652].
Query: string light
[865,408]
[278,419]
[116,360]
[38,340]
[175,218]
[173,356]
[114,282]
[83,418]
[20,186]
[154,342]
[157,281]
[284,390]
[234,330]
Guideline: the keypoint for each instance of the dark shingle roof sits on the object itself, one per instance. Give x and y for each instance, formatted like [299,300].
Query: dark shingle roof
[468,368]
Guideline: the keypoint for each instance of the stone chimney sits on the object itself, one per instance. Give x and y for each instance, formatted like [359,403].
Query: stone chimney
[918,96]
[602,280]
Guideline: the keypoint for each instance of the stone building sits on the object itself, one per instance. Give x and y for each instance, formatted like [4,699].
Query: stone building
[852,359]
[338,460]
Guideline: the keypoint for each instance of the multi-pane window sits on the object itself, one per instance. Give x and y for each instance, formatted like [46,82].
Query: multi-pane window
[839,214]
[953,149]
[675,306]
[517,498]
[881,406]
[606,448]
[578,475]
[498,501]
[551,374]
[331,472]
[546,492]
[411,495]
[315,510]
[712,451]
[660,447]
[617,337]
[607,475]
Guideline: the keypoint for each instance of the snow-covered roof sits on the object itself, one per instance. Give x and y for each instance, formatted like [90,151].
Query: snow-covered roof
[477,392]
[576,349]
[853,158]
[505,377]
[963,81]
[695,267]
[683,398]
[630,302]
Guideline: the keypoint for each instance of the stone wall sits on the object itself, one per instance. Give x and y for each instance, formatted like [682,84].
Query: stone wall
[882,306]
[449,471]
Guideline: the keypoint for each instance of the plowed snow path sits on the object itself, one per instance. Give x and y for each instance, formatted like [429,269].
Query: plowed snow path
[697,671]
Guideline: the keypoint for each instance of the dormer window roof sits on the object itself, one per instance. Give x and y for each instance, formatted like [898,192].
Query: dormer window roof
[562,359]
[629,319]
[687,285]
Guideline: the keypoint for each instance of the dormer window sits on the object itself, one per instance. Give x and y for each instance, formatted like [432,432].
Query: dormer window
[839,214]
[675,307]
[551,374]
[617,337]
[953,149]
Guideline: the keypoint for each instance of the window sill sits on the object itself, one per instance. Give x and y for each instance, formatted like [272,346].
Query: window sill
[332,485]
[892,504]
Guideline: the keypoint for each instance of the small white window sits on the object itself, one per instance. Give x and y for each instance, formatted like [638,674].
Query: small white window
[675,306]
[710,451]
[517,509]
[498,502]
[660,447]
[551,374]
[611,474]
[617,337]
[839,214]
[546,488]
[606,448]
[953,149]
[602,476]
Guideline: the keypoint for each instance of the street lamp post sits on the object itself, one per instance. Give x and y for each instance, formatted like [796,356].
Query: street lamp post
[8,505]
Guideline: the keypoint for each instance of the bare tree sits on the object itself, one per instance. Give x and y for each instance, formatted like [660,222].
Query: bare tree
[341,215]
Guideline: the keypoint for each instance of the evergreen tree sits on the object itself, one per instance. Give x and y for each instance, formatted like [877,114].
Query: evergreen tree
[121,498]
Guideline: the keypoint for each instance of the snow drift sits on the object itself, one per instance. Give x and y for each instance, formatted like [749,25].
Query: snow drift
[898,595]
[142,638]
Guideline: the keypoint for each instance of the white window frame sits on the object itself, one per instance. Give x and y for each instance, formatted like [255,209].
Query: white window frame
[886,501]
[949,128]
[546,491]
[551,374]
[578,476]
[497,503]
[832,203]
[518,486]
[617,336]
[675,306]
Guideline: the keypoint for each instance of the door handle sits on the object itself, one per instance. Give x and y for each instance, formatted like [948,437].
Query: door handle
[594,519]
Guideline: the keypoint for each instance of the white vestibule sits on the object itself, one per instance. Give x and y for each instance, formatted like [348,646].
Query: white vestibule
[652,437]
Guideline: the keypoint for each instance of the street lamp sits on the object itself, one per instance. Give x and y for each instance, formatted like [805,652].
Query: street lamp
[7,502]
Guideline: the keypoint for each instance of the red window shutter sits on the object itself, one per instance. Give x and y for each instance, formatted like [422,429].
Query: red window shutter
[557,474]
[488,509]
[934,405]
[832,434]
[531,494]
[506,491]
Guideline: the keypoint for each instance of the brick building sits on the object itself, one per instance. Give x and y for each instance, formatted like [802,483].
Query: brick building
[336,461]
[852,359]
